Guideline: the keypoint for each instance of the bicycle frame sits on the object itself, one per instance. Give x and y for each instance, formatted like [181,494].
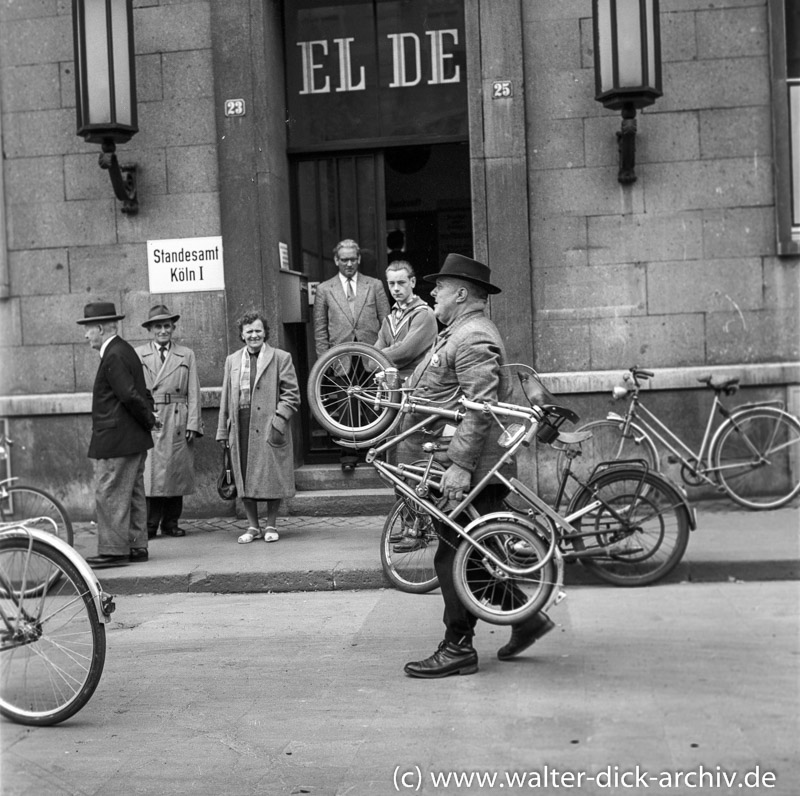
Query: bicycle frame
[699,462]
[517,436]
[103,602]
[397,475]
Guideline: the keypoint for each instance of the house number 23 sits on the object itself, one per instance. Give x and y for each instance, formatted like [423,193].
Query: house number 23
[501,89]
[234,107]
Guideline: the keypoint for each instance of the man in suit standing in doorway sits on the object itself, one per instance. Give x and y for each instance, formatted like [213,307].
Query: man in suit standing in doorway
[348,307]
[122,416]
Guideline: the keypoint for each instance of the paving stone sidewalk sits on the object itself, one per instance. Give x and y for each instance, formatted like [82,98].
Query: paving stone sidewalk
[326,553]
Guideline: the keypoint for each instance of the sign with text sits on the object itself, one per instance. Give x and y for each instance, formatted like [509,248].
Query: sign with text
[185,265]
[364,71]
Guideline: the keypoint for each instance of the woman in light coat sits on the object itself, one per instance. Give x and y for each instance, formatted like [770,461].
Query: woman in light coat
[259,396]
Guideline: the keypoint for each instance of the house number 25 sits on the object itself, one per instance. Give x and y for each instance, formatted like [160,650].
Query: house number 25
[501,89]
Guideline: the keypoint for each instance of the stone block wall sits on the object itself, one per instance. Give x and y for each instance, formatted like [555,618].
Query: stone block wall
[678,269]
[66,239]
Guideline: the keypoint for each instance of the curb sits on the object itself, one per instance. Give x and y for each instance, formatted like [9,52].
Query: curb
[204,582]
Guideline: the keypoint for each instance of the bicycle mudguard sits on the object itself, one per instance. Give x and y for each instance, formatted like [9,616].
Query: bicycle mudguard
[557,593]
[102,601]
[642,464]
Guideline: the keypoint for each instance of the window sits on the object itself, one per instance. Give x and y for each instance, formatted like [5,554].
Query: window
[785,26]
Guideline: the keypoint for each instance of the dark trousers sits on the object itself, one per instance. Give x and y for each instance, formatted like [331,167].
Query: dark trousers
[164,511]
[458,621]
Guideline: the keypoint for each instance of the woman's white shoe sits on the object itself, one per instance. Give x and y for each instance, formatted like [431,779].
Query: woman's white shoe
[270,534]
[249,536]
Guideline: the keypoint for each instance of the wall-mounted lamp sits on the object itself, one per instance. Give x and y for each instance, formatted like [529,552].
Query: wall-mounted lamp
[627,66]
[105,86]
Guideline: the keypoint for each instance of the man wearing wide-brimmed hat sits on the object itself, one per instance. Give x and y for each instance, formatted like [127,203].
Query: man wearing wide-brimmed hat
[171,373]
[122,416]
[465,360]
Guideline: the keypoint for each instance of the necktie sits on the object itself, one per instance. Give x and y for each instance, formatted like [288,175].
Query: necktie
[163,352]
[351,296]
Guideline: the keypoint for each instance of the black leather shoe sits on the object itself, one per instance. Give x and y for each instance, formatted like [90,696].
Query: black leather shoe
[138,554]
[525,634]
[408,545]
[448,659]
[104,561]
[174,532]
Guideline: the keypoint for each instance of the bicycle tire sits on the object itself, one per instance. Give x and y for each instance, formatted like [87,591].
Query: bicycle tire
[770,432]
[54,653]
[27,502]
[499,598]
[651,539]
[330,379]
[609,445]
[411,570]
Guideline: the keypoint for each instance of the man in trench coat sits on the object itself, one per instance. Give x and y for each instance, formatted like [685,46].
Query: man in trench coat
[171,373]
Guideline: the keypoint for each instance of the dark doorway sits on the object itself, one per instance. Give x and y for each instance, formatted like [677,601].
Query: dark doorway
[422,192]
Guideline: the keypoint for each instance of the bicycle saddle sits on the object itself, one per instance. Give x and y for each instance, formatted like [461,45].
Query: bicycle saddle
[573,437]
[727,383]
[554,416]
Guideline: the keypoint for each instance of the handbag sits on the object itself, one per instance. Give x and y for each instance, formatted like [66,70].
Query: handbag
[226,486]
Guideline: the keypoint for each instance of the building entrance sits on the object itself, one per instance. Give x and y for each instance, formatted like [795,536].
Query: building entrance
[412,202]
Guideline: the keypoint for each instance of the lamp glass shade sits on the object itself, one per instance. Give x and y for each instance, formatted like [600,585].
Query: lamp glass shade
[105,80]
[627,52]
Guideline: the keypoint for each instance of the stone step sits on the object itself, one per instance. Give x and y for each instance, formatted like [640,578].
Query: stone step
[346,502]
[313,477]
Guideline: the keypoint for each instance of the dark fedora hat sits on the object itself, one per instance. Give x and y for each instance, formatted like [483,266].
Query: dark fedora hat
[159,313]
[457,266]
[99,311]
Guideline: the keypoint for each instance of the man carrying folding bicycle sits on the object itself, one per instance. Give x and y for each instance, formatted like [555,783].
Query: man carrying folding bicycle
[466,360]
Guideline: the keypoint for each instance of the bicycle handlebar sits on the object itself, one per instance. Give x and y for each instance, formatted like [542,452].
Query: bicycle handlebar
[641,373]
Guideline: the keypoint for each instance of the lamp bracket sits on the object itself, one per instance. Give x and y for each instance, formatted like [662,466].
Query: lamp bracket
[626,139]
[123,178]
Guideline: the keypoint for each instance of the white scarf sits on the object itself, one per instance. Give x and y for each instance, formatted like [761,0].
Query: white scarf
[244,376]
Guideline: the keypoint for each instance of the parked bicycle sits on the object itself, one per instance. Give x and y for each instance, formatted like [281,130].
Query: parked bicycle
[19,503]
[753,456]
[409,540]
[52,626]
[509,564]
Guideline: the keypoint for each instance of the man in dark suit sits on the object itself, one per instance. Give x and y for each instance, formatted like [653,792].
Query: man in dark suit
[348,307]
[122,416]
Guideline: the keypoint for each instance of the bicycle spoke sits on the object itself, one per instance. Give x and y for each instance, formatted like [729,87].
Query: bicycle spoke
[54,664]
[757,457]
[647,537]
[491,591]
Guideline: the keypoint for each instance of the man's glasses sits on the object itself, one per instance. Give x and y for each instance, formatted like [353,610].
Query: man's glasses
[347,259]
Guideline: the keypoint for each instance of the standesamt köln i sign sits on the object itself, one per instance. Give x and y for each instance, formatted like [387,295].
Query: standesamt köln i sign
[185,265]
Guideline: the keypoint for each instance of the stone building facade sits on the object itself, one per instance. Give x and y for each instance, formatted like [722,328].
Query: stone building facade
[690,270]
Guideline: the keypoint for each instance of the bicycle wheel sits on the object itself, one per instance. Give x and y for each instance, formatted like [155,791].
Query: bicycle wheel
[27,502]
[488,591]
[53,645]
[756,457]
[343,394]
[408,545]
[639,533]
[608,445]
